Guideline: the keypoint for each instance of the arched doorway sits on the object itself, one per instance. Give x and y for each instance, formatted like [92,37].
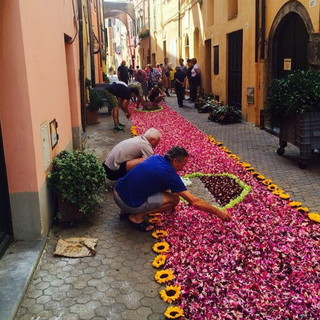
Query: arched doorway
[290,45]
[288,39]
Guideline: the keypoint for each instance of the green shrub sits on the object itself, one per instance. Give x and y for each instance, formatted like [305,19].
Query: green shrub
[299,92]
[96,102]
[79,178]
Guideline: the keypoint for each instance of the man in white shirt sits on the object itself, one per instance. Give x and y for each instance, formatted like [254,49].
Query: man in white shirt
[130,152]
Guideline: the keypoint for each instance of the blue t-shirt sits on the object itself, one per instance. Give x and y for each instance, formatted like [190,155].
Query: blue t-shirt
[119,89]
[151,176]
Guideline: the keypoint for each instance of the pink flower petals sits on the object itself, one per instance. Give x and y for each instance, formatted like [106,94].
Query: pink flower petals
[264,264]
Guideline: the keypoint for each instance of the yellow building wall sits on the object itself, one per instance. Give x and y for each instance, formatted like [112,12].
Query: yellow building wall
[183,27]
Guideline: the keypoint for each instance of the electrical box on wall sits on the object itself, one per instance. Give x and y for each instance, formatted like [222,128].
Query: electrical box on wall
[45,145]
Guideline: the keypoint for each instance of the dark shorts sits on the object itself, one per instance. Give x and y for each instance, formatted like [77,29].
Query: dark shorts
[153,202]
[112,100]
[115,174]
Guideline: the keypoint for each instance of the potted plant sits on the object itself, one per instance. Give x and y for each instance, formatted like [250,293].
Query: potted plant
[293,105]
[78,179]
[95,103]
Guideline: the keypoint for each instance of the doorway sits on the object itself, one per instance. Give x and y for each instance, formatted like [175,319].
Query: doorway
[290,43]
[5,214]
[235,68]
[208,69]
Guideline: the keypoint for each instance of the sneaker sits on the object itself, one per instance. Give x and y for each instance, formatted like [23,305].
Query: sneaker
[121,125]
[118,128]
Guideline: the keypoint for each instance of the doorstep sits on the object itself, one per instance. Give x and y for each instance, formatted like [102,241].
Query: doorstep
[16,269]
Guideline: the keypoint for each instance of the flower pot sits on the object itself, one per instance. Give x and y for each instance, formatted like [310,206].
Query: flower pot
[68,213]
[303,131]
[92,116]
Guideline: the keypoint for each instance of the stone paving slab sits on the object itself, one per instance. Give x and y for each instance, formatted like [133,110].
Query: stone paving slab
[117,283]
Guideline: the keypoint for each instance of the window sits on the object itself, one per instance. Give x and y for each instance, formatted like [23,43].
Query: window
[210,13]
[215,59]
[232,9]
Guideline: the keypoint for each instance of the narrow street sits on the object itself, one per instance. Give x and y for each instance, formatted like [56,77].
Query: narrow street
[118,283]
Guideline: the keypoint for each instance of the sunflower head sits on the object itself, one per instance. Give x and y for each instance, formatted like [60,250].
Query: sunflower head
[174,313]
[163,276]
[302,209]
[170,293]
[159,261]
[272,187]
[155,220]
[314,216]
[284,196]
[161,247]
[246,164]
[159,234]
[266,182]
[156,214]
[277,192]
[295,204]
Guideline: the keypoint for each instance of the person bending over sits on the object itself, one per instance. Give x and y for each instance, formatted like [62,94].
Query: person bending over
[121,94]
[154,185]
[130,152]
[155,96]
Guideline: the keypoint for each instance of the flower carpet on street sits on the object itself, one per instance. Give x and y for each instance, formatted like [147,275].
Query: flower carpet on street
[264,264]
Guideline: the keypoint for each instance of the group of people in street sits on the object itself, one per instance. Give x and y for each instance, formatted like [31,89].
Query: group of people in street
[150,86]
[147,183]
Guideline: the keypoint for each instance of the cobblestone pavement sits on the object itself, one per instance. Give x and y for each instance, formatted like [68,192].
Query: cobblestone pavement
[118,282]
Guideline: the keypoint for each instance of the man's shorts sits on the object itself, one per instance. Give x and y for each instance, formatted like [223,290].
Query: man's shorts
[153,202]
[112,100]
[138,86]
[115,174]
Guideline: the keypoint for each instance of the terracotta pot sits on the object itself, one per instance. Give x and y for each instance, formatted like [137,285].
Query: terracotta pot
[92,116]
[68,212]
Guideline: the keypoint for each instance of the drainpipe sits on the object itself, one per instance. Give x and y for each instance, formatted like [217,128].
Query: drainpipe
[149,51]
[179,28]
[81,68]
[91,40]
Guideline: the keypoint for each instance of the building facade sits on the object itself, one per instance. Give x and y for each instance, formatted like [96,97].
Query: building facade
[240,45]
[48,49]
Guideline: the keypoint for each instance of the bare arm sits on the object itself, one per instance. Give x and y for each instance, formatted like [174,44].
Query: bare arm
[140,99]
[203,205]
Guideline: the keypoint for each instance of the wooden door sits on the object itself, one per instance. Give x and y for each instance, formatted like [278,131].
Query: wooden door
[235,68]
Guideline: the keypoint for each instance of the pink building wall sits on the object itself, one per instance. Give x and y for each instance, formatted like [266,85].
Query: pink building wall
[39,83]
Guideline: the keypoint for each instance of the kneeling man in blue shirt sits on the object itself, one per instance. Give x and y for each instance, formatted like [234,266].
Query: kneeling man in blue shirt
[154,186]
